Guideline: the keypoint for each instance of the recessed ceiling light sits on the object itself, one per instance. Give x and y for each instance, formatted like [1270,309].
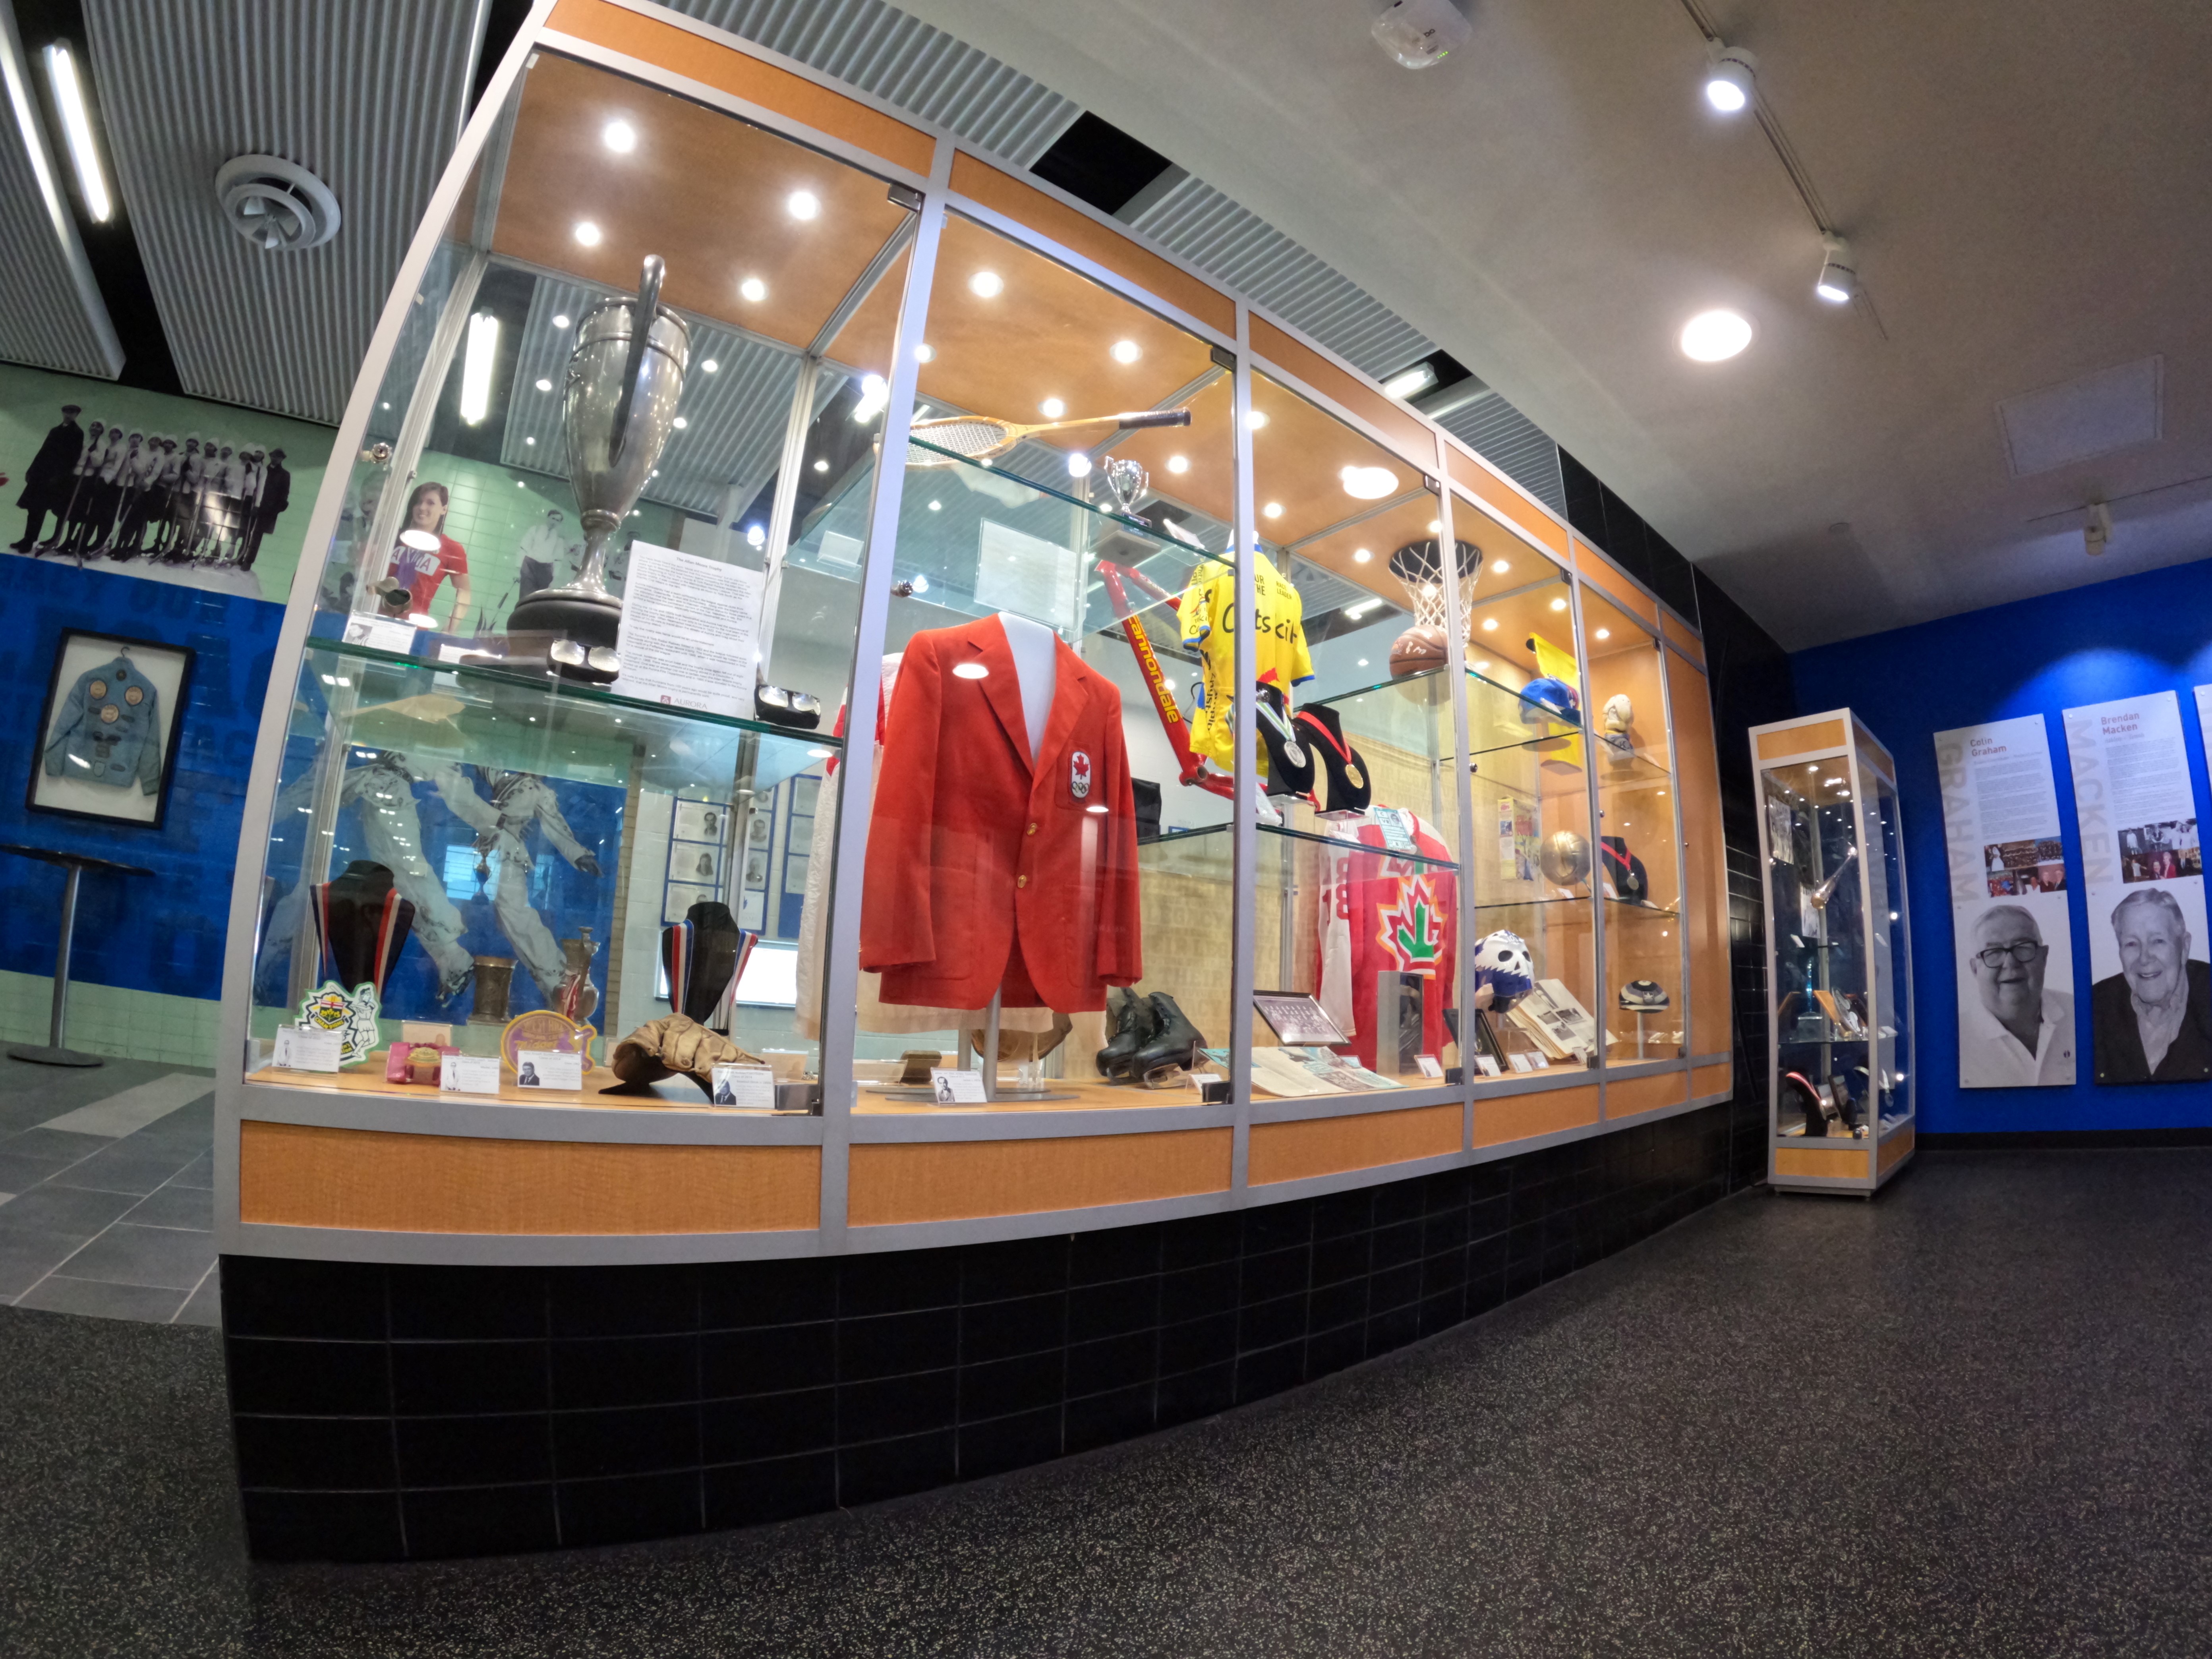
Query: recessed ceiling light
[822,464]
[619,136]
[1729,83]
[936,506]
[1273,510]
[987,285]
[1483,666]
[1558,605]
[752,289]
[1361,556]
[1127,351]
[681,422]
[1436,527]
[711,367]
[755,536]
[560,319]
[924,352]
[1368,484]
[1490,625]
[1079,464]
[1713,337]
[803,204]
[875,392]
[1500,566]
[1410,382]
[530,441]
[1254,419]
[1604,633]
[1052,409]
[1178,463]
[587,234]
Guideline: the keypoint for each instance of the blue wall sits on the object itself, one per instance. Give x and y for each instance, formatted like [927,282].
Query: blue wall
[165,934]
[2117,638]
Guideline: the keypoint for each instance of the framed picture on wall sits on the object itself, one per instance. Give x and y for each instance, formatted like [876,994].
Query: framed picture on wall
[107,736]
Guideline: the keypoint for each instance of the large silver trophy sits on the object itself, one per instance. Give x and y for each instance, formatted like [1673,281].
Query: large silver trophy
[623,384]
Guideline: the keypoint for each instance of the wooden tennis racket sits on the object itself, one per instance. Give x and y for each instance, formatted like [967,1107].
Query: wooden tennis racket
[975,438]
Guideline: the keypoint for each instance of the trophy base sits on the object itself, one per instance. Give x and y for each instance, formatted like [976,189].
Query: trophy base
[585,626]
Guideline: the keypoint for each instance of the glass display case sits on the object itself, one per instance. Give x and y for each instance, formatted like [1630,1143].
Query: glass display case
[854,655]
[1838,974]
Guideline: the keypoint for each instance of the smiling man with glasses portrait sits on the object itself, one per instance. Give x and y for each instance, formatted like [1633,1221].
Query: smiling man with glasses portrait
[2017,1035]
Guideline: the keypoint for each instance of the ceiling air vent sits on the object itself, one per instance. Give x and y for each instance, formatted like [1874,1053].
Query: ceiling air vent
[276,204]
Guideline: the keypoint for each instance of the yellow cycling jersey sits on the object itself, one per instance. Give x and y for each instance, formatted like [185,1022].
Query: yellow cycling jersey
[1278,658]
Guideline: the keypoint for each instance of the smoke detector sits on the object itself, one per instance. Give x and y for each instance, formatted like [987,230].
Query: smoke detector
[1419,32]
[277,205]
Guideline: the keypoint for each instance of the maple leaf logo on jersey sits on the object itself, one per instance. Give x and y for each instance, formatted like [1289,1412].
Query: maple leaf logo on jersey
[1411,930]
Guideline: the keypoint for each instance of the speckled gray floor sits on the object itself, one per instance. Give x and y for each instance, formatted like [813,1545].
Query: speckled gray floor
[1971,1419]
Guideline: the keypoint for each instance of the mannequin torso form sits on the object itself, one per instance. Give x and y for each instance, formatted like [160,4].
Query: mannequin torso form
[1036,651]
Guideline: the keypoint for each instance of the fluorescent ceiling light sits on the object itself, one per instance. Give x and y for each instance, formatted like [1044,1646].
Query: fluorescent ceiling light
[77,127]
[1410,382]
[35,145]
[476,368]
[1728,83]
[1368,484]
[1356,611]
[1713,337]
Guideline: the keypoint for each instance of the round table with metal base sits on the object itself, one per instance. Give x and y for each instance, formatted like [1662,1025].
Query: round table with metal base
[54,1053]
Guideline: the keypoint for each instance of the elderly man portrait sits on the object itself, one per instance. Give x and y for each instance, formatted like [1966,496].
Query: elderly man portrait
[2152,1019]
[2017,1034]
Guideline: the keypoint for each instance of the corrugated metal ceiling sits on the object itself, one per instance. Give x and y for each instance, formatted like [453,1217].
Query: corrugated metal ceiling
[369,95]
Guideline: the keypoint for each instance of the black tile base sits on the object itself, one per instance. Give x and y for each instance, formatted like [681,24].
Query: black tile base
[416,1412]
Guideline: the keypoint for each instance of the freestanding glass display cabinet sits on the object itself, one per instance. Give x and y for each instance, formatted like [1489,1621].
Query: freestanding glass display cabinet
[1840,974]
[795,596]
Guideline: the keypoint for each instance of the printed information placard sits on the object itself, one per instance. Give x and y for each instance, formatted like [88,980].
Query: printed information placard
[2150,998]
[2009,906]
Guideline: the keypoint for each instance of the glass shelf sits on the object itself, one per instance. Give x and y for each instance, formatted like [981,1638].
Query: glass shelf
[530,722]
[1207,851]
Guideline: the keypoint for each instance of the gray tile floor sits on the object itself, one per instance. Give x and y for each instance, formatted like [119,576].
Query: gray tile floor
[107,1204]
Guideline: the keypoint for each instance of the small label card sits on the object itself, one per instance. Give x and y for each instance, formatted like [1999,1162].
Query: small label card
[1487,1066]
[745,1085]
[469,1074]
[957,1088]
[303,1049]
[1521,1063]
[548,1068]
[1429,1064]
[1542,1062]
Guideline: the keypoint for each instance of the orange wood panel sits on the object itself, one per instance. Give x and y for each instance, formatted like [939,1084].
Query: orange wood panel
[1828,1165]
[1518,1117]
[1712,1080]
[1082,234]
[729,71]
[1893,1151]
[1800,739]
[1626,1097]
[1414,442]
[1680,636]
[1872,749]
[949,1181]
[1616,586]
[1705,863]
[293,1175]
[1324,1146]
[1479,482]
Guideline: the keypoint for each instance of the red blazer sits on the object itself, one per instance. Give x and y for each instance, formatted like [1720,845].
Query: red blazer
[973,852]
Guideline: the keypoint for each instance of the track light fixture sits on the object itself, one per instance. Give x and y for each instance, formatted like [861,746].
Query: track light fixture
[1729,83]
[1838,281]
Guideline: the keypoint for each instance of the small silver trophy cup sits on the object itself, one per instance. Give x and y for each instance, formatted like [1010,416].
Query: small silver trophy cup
[624,380]
[1127,480]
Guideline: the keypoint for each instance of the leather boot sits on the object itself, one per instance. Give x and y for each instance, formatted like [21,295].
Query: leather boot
[1132,1019]
[1175,1040]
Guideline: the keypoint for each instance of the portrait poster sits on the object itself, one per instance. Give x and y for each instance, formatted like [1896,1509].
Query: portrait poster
[2014,950]
[2144,885]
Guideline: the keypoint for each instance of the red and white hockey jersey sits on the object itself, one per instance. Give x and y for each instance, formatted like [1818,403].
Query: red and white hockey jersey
[1384,913]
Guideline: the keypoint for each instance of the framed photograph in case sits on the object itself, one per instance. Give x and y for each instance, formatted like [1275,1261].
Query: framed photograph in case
[107,746]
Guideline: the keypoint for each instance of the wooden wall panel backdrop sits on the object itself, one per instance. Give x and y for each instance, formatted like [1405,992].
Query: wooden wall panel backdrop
[1614,585]
[1712,1080]
[1518,1117]
[1682,638]
[1412,440]
[665,45]
[292,1175]
[1800,739]
[953,1181]
[1893,1149]
[1625,1097]
[1079,234]
[1479,482]
[1705,861]
[1326,1145]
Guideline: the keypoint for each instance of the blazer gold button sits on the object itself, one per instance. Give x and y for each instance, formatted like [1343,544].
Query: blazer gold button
[1032,830]
[1021,881]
